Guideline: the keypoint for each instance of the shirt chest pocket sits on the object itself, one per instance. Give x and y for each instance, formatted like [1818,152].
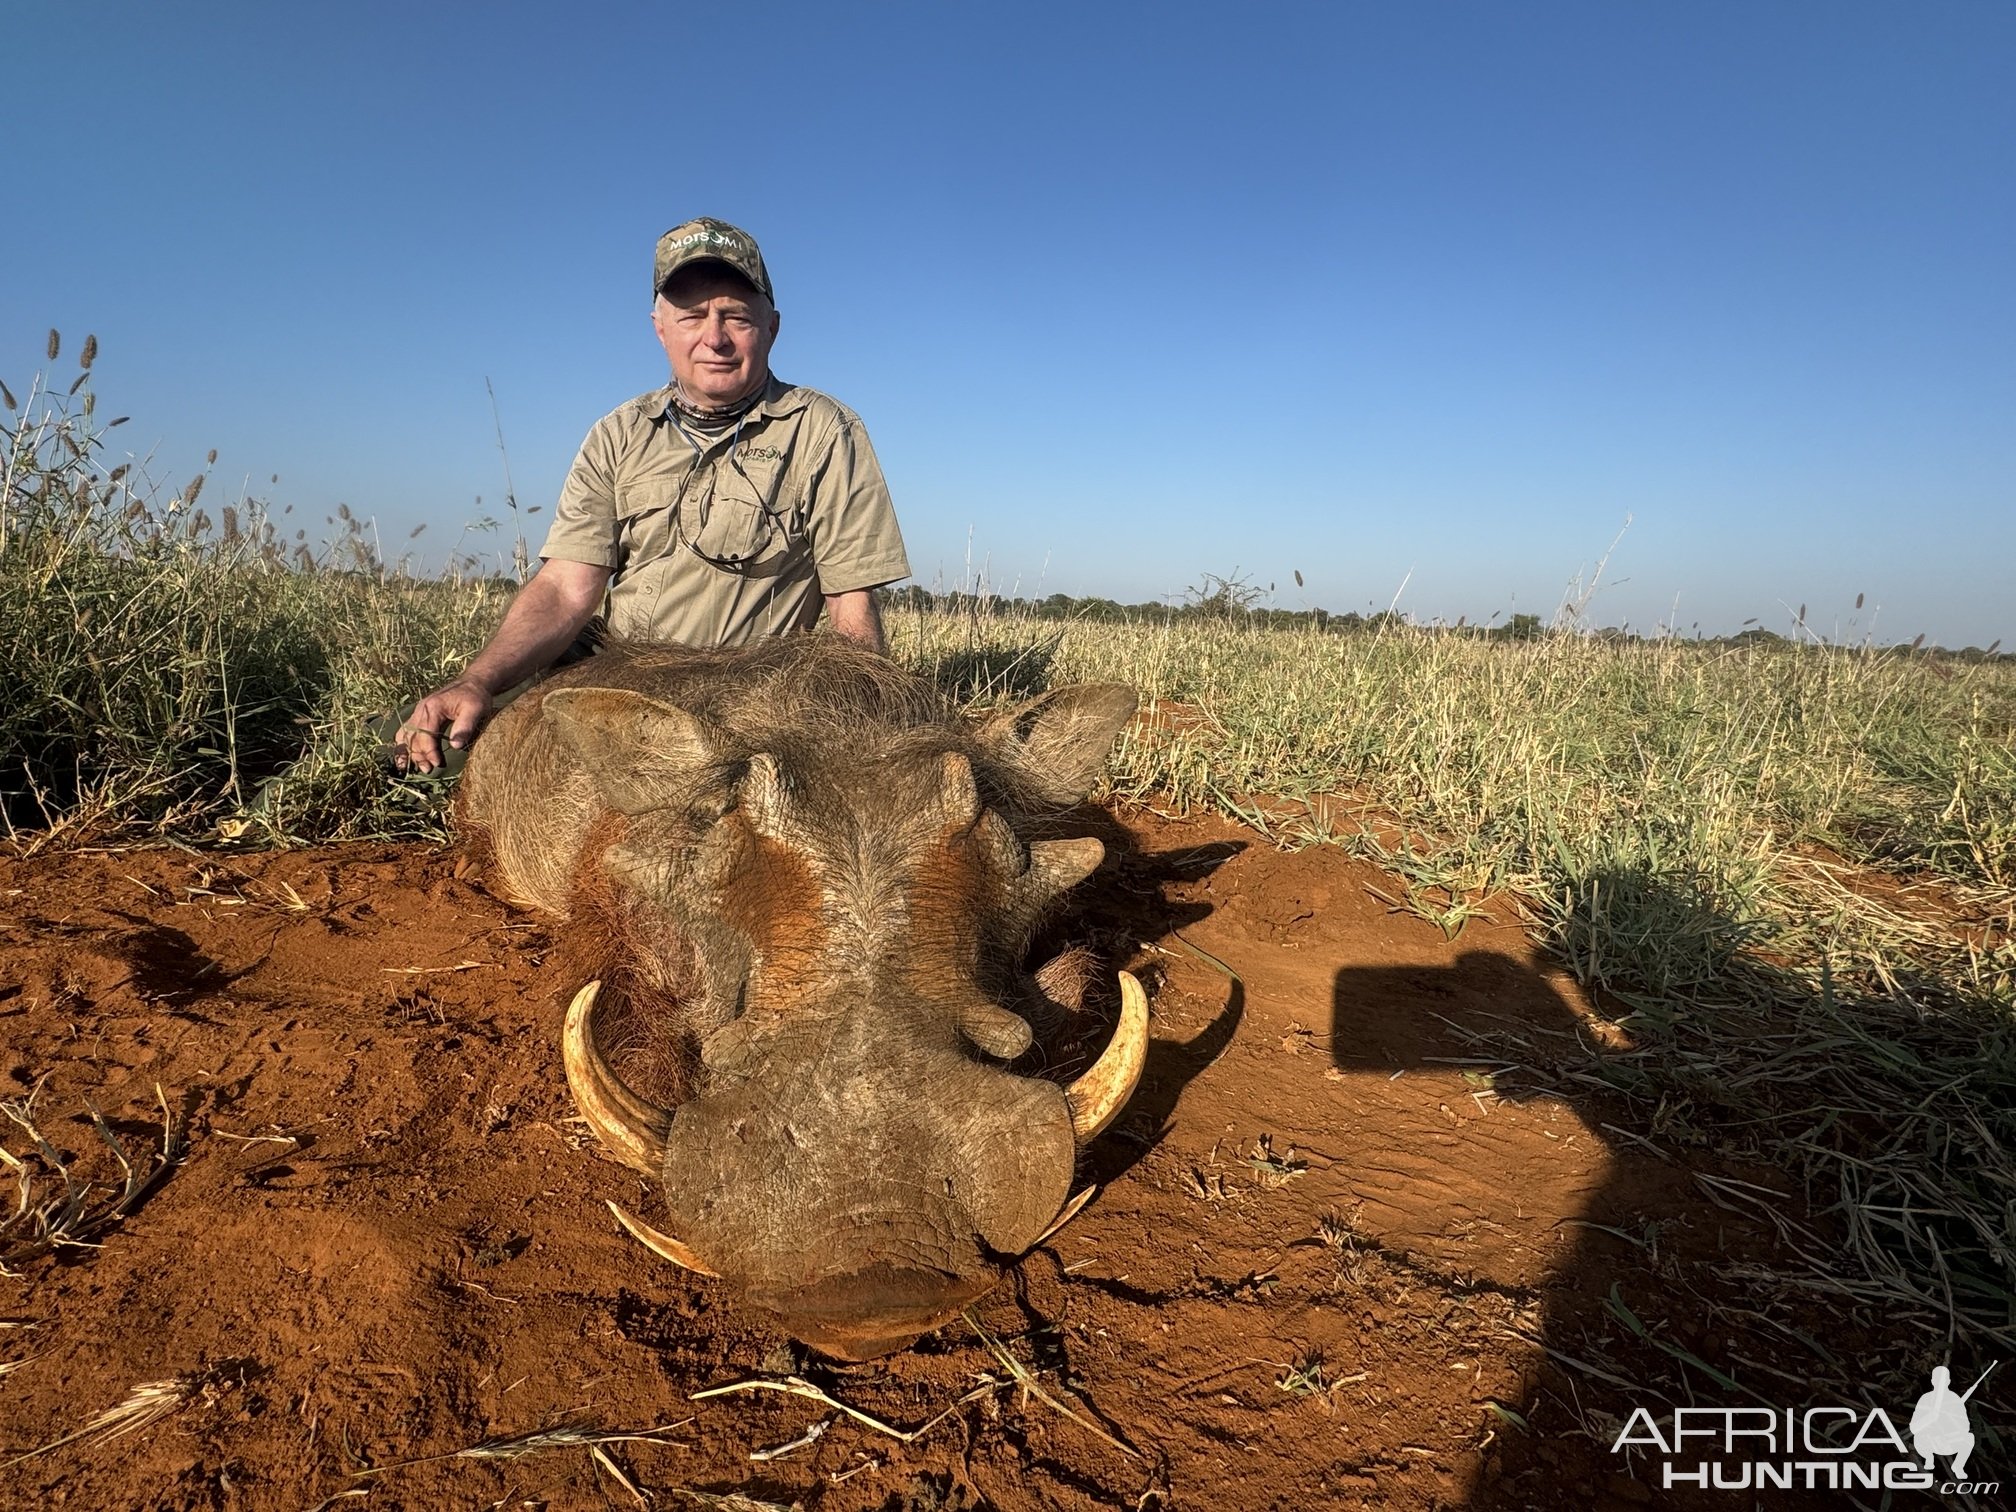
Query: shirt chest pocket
[728,517]
[644,522]
[728,523]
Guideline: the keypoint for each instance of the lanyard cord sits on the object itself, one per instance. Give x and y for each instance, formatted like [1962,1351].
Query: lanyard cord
[727,563]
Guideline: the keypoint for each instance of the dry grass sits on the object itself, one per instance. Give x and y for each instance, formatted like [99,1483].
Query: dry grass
[1348,1247]
[596,1441]
[729,1501]
[539,1441]
[799,1387]
[210,677]
[53,1208]
[1026,1378]
[145,1405]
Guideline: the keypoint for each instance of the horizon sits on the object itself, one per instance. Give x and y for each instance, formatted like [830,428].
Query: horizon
[1425,306]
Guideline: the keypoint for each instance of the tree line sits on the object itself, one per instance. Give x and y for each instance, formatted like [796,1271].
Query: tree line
[1232,601]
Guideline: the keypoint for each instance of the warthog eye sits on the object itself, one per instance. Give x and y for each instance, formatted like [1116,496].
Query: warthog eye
[710,810]
[720,797]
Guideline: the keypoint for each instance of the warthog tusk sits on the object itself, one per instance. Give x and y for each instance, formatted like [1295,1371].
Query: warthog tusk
[1069,1211]
[1097,1097]
[1055,865]
[630,1128]
[662,1245]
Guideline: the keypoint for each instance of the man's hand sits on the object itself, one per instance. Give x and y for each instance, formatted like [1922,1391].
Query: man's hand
[461,709]
[544,617]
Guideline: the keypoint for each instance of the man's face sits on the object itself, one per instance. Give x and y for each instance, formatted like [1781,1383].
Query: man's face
[717,330]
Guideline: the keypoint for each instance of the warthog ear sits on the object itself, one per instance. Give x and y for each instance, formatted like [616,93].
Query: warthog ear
[1061,739]
[640,754]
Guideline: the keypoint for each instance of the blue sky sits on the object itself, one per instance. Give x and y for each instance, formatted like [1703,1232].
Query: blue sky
[1433,294]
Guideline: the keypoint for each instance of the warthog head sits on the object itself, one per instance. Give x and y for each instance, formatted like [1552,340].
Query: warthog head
[800,893]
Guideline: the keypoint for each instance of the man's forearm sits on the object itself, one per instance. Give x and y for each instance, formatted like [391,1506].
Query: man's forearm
[855,616]
[542,622]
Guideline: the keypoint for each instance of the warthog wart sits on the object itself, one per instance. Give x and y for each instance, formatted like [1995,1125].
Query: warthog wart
[800,890]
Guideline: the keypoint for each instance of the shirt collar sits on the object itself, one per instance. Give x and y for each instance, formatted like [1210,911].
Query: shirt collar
[779,399]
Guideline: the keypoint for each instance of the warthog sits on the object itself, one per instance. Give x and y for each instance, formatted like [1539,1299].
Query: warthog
[801,890]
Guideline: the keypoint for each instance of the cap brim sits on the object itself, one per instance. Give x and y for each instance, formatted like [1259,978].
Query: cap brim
[720,262]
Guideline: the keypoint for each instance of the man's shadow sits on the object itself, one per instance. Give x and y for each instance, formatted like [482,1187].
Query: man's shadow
[1659,1285]
[1648,1294]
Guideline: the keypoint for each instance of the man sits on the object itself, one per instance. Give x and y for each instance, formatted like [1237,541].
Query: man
[1939,1422]
[724,507]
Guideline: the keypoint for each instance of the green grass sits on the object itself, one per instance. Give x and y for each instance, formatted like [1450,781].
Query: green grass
[170,672]
[1790,870]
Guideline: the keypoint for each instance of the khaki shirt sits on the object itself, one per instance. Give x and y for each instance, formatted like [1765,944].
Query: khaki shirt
[797,512]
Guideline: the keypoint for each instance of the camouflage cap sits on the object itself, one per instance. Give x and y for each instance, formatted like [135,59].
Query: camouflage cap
[709,240]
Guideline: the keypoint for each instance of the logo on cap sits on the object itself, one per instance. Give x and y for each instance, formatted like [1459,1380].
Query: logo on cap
[709,240]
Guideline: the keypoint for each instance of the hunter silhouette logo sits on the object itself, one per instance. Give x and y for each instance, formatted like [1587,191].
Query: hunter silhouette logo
[1827,1446]
[1939,1422]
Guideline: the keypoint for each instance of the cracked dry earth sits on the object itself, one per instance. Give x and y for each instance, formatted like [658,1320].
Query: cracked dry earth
[1325,1267]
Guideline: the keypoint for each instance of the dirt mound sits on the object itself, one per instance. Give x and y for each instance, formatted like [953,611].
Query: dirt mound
[1334,1244]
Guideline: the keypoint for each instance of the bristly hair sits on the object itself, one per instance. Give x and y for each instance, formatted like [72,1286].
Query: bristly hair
[810,693]
[799,682]
[641,1023]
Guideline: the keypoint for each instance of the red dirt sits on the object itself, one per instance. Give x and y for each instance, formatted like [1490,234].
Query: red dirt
[388,1237]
